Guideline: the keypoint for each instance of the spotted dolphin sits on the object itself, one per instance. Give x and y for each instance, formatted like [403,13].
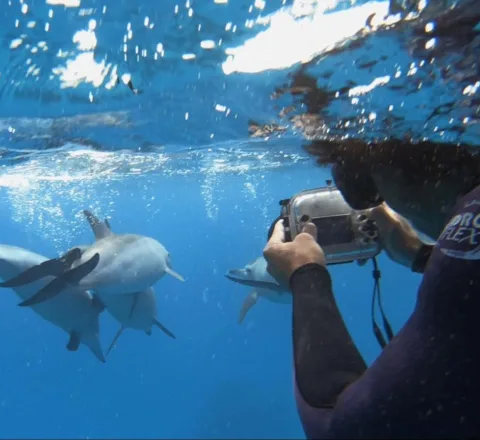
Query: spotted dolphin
[76,312]
[264,285]
[136,310]
[117,264]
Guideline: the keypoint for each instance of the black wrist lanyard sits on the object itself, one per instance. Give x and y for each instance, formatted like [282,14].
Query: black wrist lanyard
[377,294]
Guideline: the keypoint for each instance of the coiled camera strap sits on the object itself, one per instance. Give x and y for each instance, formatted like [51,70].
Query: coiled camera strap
[377,294]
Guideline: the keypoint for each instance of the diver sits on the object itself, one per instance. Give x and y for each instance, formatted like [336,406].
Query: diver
[425,383]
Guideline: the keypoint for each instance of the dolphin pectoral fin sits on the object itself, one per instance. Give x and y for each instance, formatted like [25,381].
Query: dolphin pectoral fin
[163,328]
[73,342]
[248,303]
[70,257]
[149,332]
[54,267]
[115,339]
[99,229]
[174,274]
[32,274]
[56,286]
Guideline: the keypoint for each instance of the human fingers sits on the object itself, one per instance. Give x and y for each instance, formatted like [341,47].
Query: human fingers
[278,235]
[308,246]
[310,229]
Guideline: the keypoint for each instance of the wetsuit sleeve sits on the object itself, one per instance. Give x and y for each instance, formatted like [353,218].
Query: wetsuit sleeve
[326,360]
[426,382]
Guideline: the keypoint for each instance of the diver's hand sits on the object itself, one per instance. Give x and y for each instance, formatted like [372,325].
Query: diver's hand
[399,240]
[284,258]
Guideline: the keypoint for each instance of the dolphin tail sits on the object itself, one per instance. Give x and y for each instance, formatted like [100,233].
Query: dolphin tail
[163,328]
[115,339]
[248,303]
[95,347]
[54,267]
[93,344]
[56,286]
[174,274]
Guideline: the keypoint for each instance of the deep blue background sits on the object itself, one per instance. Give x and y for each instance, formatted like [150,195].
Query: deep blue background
[218,379]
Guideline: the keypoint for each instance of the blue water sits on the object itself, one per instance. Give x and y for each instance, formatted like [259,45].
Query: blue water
[169,164]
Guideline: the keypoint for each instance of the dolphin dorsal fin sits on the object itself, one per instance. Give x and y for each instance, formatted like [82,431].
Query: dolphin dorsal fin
[99,229]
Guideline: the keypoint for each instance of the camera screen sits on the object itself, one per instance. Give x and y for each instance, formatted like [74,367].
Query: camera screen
[334,230]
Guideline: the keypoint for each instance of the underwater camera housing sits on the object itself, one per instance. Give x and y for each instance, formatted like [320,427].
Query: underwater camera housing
[345,234]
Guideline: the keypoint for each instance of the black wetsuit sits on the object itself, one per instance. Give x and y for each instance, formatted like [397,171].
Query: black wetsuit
[426,382]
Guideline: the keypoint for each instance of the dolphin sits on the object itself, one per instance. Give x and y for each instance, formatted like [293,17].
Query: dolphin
[264,285]
[136,310]
[116,264]
[76,312]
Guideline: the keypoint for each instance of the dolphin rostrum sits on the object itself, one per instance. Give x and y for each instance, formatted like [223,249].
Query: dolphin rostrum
[264,285]
[117,264]
[76,312]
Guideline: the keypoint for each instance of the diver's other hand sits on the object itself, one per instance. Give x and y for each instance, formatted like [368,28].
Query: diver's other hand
[399,240]
[284,258]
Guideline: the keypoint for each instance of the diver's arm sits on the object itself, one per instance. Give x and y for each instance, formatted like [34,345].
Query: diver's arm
[400,240]
[425,383]
[326,360]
